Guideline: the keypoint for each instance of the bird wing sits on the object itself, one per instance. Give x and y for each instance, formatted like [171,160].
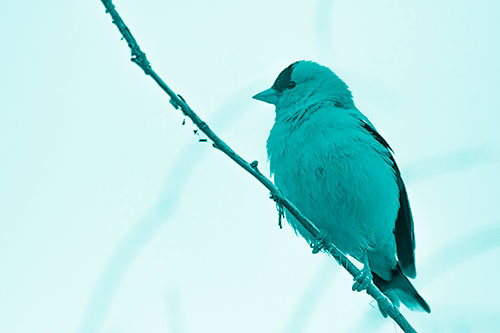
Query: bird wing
[405,236]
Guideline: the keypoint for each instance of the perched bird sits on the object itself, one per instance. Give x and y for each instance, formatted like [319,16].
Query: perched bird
[329,160]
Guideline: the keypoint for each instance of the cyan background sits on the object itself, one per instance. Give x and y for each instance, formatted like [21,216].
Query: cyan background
[115,219]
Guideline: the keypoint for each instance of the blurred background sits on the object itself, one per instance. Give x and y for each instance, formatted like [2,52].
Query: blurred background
[114,218]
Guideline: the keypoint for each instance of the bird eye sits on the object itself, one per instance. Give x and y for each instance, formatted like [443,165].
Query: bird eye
[291,85]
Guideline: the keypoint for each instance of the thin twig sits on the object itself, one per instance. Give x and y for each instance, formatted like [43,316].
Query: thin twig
[178,102]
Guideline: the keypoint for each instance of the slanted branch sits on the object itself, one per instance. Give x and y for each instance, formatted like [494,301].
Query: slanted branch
[139,58]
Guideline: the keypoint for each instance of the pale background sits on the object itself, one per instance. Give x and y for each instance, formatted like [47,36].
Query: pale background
[115,219]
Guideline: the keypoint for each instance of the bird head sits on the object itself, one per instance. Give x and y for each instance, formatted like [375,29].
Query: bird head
[303,84]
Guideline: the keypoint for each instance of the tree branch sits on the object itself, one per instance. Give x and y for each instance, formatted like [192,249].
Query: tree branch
[178,102]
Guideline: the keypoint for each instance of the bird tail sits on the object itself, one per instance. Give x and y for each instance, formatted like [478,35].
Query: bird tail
[400,290]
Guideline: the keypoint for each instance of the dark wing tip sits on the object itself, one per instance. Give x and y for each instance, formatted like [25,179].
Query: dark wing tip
[403,231]
[405,235]
[409,269]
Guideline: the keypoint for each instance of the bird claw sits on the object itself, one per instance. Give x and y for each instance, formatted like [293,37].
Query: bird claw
[362,280]
[317,246]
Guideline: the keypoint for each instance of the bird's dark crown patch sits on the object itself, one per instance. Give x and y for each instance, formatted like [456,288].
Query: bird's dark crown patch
[283,80]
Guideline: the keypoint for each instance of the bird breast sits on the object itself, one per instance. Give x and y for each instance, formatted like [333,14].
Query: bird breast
[338,175]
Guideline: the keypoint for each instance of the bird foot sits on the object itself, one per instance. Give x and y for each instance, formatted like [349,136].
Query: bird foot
[362,280]
[317,246]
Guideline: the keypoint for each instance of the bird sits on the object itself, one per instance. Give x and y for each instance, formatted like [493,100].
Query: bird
[329,160]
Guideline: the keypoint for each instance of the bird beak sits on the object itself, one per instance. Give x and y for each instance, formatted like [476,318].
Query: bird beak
[270,96]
